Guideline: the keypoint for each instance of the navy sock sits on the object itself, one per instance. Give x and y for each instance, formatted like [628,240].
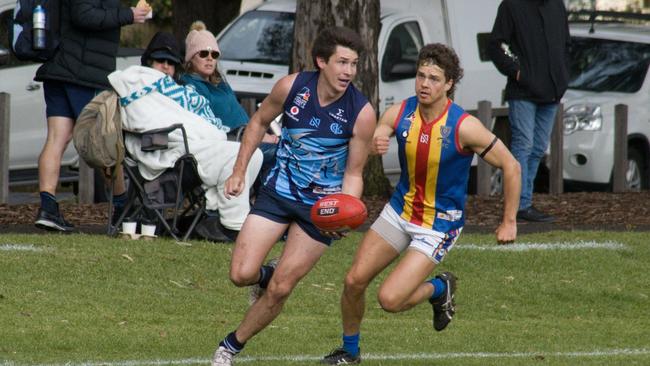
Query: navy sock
[439,287]
[120,200]
[232,344]
[48,202]
[266,272]
[351,344]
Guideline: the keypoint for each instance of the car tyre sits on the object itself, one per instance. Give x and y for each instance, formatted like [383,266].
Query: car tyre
[636,176]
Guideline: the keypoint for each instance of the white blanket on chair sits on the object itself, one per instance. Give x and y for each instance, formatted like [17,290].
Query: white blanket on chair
[214,155]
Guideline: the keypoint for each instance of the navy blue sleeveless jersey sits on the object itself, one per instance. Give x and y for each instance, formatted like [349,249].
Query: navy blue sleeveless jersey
[313,149]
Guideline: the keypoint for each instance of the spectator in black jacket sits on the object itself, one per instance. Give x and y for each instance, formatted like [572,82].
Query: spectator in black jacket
[529,44]
[90,36]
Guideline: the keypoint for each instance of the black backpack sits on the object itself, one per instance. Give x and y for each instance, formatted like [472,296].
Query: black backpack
[21,44]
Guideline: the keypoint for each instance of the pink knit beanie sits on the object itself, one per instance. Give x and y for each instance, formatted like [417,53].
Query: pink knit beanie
[199,39]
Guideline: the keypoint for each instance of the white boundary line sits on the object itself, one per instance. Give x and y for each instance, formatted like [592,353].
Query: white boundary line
[21,247]
[373,357]
[523,247]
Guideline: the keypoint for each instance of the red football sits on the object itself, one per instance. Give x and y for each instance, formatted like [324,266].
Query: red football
[337,212]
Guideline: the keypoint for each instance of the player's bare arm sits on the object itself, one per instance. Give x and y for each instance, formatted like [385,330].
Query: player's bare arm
[257,126]
[359,147]
[475,137]
[385,129]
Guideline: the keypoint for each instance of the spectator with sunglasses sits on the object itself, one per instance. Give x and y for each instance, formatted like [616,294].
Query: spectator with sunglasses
[201,56]
[224,217]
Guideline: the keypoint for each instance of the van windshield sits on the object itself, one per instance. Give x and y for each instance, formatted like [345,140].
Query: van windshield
[270,32]
[605,65]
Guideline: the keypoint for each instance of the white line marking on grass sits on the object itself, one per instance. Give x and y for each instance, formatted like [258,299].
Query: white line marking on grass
[370,356]
[20,247]
[522,247]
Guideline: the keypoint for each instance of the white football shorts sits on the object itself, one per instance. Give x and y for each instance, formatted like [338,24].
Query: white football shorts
[401,235]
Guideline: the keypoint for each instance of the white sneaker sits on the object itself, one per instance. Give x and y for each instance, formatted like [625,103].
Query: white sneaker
[256,291]
[222,357]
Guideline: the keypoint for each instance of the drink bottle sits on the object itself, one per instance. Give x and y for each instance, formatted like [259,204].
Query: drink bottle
[38,36]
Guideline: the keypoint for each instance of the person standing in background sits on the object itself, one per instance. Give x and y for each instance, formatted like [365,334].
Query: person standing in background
[90,37]
[529,45]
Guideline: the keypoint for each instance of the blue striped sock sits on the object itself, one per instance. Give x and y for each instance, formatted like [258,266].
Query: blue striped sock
[232,344]
[439,287]
[351,344]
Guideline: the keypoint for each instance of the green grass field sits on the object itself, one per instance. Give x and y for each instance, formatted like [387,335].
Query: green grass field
[92,300]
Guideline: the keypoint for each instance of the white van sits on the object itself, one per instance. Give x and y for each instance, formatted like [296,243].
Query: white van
[256,47]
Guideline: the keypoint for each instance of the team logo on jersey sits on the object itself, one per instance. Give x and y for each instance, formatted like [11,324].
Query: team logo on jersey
[410,117]
[294,110]
[314,122]
[302,97]
[445,131]
[424,139]
[339,115]
[336,128]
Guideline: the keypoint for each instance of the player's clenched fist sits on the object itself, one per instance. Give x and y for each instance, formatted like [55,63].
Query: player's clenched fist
[380,145]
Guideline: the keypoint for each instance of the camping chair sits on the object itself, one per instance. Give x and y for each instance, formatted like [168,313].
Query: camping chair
[174,198]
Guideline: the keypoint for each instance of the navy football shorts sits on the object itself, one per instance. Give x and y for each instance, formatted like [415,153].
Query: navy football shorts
[278,209]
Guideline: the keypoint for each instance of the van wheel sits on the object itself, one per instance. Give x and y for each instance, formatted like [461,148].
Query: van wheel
[636,177]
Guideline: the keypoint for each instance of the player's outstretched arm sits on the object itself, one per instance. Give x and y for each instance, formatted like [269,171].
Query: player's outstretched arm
[257,126]
[475,137]
[359,147]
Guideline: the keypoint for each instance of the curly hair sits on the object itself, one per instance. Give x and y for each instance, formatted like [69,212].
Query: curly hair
[445,58]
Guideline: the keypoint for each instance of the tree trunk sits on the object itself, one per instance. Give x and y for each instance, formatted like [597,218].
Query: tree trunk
[363,17]
[216,14]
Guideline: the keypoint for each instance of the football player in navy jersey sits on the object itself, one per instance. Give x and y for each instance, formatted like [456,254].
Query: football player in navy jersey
[327,128]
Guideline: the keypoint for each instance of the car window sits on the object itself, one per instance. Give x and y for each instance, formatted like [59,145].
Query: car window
[271,32]
[402,47]
[5,39]
[606,65]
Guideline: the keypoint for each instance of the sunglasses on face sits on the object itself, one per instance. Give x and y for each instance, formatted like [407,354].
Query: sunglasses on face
[164,61]
[205,53]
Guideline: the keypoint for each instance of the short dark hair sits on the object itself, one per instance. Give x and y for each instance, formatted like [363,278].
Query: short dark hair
[445,58]
[325,43]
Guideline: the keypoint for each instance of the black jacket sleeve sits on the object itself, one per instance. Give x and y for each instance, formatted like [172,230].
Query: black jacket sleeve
[499,47]
[92,16]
